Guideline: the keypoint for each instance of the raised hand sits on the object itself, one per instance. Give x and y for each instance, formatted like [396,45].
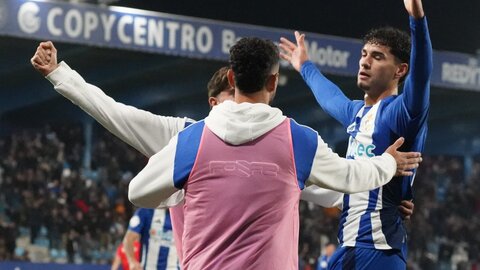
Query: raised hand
[296,54]
[414,8]
[45,58]
[406,161]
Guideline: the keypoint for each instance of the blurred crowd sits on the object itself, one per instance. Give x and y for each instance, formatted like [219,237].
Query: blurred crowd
[46,191]
[443,231]
[50,196]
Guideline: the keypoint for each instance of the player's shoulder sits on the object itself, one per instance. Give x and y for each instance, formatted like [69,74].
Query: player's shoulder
[193,127]
[390,104]
[388,100]
[357,104]
[299,128]
[144,212]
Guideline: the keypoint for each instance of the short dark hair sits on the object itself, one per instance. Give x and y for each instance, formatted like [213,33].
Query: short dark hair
[252,60]
[397,40]
[218,83]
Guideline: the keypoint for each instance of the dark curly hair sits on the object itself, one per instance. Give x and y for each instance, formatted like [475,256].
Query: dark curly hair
[397,40]
[252,61]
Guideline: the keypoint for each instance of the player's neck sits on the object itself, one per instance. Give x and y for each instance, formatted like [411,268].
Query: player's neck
[257,97]
[371,97]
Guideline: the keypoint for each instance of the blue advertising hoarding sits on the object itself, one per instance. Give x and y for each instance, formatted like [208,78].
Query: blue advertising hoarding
[133,29]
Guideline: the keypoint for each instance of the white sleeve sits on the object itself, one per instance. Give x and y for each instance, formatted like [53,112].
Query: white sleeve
[347,175]
[154,184]
[321,196]
[146,132]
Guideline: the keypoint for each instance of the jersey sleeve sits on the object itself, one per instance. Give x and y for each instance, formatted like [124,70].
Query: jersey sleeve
[321,196]
[137,222]
[168,170]
[411,107]
[348,175]
[328,95]
[146,132]
[317,164]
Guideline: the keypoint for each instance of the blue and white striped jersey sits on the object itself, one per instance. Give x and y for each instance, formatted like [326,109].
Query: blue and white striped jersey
[157,245]
[371,219]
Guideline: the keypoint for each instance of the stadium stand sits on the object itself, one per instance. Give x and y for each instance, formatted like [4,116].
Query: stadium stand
[54,210]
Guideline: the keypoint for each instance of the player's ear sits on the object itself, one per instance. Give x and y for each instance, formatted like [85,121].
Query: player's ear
[231,78]
[212,101]
[272,82]
[402,70]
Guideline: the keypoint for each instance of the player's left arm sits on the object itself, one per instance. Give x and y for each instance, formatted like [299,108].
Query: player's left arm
[414,102]
[322,197]
[329,171]
[417,85]
[168,170]
[155,183]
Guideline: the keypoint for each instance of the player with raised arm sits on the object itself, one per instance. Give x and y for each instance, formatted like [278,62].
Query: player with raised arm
[371,233]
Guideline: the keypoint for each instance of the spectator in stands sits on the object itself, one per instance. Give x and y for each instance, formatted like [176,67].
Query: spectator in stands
[322,262]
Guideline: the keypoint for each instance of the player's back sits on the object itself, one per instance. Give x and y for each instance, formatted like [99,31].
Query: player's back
[241,204]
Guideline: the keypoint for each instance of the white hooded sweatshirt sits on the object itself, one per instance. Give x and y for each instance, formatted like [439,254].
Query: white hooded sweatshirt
[144,131]
[237,124]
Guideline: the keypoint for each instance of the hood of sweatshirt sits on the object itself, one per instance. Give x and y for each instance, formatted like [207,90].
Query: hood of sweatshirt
[240,123]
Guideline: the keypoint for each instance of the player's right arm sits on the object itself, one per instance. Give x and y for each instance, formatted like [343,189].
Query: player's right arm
[327,94]
[416,93]
[116,262]
[136,226]
[129,246]
[146,132]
